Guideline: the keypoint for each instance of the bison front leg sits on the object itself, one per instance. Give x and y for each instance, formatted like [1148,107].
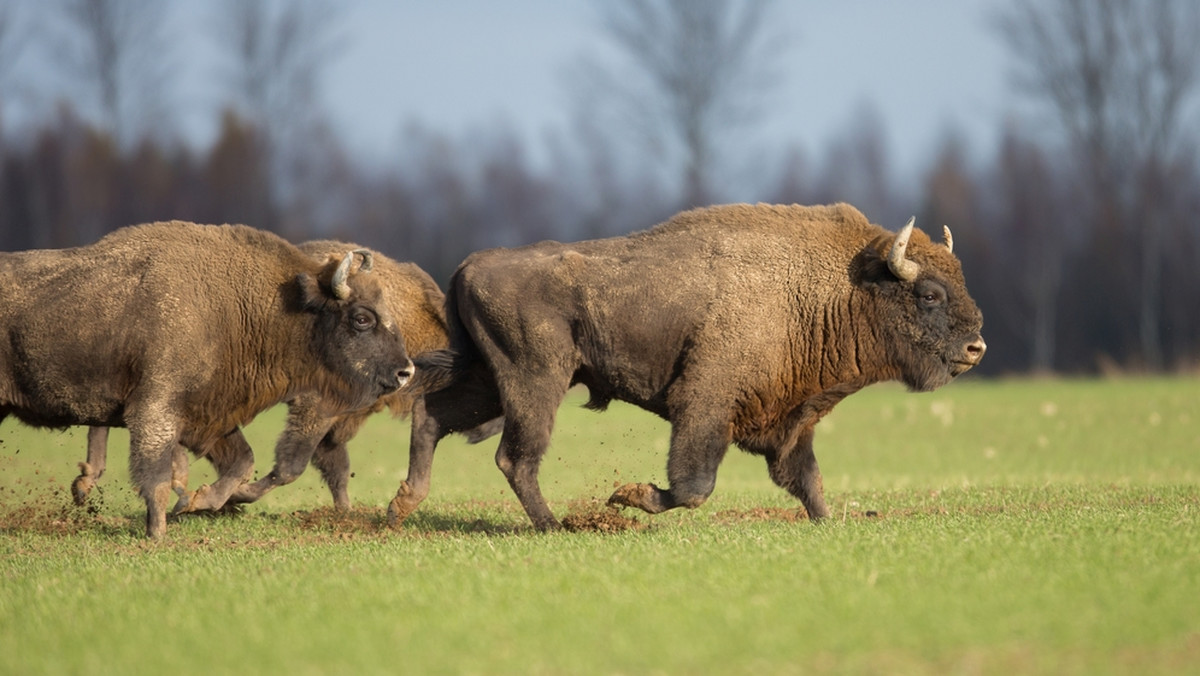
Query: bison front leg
[794,468]
[332,459]
[234,462]
[151,452]
[305,429]
[696,452]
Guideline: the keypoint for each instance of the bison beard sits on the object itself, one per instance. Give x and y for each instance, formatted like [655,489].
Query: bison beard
[738,324]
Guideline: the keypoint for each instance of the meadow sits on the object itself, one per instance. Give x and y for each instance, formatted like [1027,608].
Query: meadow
[991,527]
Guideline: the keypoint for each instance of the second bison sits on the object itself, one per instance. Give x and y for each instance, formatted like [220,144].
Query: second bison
[738,324]
[311,434]
[183,333]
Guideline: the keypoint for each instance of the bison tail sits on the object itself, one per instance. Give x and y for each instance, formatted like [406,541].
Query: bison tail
[485,431]
[436,370]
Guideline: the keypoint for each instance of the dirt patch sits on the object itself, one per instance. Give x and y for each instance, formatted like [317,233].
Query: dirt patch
[593,517]
[62,520]
[343,522]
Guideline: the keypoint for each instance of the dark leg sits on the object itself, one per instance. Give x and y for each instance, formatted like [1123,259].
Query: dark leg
[530,406]
[463,406]
[234,461]
[697,448]
[332,457]
[305,429]
[333,461]
[423,439]
[794,468]
[91,471]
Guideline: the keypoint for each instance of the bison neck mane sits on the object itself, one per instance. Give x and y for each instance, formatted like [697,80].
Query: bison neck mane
[836,349]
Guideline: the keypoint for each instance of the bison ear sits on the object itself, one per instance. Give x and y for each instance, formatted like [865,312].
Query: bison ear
[869,268]
[312,298]
[316,290]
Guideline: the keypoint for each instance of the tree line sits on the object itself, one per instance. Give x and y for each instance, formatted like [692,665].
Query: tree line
[1079,235]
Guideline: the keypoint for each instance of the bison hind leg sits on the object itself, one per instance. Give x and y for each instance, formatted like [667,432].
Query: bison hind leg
[519,458]
[83,484]
[91,471]
[697,448]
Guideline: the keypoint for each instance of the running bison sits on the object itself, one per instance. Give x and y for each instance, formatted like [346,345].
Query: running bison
[310,434]
[738,324]
[183,333]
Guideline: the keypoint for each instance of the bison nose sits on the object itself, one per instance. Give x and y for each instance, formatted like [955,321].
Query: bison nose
[405,373]
[975,350]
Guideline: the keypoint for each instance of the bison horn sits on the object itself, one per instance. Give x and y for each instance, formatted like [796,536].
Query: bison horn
[341,290]
[948,238]
[905,269]
[368,259]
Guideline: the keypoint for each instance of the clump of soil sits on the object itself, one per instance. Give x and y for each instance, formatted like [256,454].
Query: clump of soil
[595,518]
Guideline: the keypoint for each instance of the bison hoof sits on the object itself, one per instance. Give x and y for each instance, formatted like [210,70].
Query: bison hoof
[406,502]
[548,526]
[80,488]
[198,501]
[398,510]
[645,497]
[183,506]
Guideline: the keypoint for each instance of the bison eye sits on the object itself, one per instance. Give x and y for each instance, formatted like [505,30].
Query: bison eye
[930,294]
[362,320]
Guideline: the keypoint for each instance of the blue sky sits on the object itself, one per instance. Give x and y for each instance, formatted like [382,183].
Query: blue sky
[464,64]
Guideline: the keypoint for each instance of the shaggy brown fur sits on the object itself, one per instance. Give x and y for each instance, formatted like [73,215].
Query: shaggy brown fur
[738,324]
[183,333]
[414,302]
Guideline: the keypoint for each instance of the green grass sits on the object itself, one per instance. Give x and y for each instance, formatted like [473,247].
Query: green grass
[990,527]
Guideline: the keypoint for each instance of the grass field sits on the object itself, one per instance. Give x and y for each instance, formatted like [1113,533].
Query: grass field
[1025,526]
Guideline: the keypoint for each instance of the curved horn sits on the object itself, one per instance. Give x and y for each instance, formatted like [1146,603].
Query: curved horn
[368,259]
[341,290]
[948,238]
[900,266]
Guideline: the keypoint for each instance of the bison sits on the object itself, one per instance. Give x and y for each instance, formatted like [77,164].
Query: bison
[311,434]
[183,333]
[737,324]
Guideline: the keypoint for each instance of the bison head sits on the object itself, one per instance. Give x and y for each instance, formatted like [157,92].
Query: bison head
[354,335]
[927,322]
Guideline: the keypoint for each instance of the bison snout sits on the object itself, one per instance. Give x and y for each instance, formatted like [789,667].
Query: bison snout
[405,374]
[973,352]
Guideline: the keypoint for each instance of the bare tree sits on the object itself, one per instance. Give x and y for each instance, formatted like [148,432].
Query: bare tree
[1036,243]
[124,56]
[689,74]
[277,54]
[12,44]
[1119,76]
